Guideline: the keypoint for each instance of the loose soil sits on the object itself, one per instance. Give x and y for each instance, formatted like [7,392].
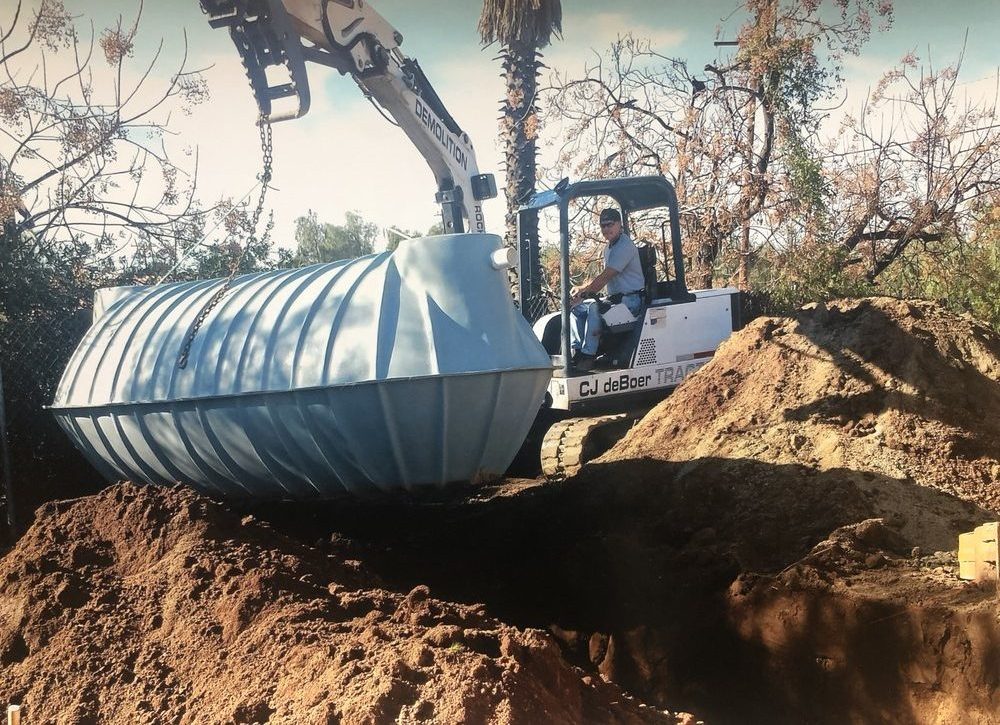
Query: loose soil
[145,605]
[900,397]
[773,543]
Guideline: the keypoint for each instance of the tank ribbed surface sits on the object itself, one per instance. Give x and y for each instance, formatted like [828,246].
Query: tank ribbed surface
[396,370]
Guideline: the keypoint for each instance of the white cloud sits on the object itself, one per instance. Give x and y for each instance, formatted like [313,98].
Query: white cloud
[598,30]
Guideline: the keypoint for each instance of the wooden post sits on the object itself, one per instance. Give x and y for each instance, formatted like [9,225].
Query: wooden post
[979,553]
[13,715]
[986,552]
[967,556]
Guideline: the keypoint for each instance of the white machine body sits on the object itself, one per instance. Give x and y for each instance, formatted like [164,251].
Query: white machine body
[675,340]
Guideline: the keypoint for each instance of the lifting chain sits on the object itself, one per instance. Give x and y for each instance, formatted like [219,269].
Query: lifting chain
[265,178]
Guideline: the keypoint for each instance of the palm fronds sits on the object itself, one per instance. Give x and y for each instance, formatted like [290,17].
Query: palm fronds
[520,21]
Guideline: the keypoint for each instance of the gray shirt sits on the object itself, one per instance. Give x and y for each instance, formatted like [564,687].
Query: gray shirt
[623,257]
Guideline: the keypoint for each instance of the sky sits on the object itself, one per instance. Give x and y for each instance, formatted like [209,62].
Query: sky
[343,156]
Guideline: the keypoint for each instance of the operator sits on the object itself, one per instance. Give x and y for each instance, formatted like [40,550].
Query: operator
[623,277]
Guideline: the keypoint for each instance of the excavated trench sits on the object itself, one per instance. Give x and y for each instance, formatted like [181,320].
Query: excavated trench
[703,563]
[644,577]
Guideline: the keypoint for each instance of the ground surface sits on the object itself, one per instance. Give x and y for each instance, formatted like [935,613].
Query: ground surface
[770,544]
[140,605]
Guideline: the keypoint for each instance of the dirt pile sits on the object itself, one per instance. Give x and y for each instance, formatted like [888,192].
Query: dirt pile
[150,605]
[900,398]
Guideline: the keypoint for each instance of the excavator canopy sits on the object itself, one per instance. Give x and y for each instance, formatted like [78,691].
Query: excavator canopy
[633,193]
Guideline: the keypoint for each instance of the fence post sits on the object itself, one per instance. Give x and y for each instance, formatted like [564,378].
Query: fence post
[8,484]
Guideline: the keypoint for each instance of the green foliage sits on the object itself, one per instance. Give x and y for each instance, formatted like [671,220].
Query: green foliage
[35,282]
[966,277]
[786,280]
[808,187]
[318,241]
[216,259]
[44,295]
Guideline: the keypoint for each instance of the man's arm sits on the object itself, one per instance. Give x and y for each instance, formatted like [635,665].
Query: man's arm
[595,285]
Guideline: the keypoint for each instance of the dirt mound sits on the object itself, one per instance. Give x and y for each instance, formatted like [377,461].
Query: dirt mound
[151,605]
[901,398]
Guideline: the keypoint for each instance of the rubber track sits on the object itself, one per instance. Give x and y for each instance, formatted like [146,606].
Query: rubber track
[564,446]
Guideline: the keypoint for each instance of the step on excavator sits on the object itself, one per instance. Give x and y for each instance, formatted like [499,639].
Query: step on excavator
[641,357]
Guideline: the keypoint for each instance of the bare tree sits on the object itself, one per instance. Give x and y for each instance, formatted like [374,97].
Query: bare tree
[736,139]
[919,165]
[84,164]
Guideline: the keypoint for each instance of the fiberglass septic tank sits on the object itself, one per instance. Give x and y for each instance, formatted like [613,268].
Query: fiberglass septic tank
[399,370]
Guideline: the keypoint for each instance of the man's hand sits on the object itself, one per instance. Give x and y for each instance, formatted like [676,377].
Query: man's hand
[576,294]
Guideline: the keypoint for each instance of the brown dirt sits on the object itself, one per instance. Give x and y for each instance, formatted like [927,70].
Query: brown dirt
[746,553]
[900,396]
[888,639]
[144,605]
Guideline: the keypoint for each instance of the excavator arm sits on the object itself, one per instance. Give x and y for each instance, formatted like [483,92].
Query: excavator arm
[278,37]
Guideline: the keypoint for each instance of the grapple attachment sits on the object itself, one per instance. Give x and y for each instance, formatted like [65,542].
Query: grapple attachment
[263,35]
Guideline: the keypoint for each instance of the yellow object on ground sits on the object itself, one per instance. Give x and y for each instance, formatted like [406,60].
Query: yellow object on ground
[978,553]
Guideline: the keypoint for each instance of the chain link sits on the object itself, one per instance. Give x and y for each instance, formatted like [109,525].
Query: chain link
[265,179]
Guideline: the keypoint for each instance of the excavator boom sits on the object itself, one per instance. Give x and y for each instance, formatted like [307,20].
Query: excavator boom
[277,37]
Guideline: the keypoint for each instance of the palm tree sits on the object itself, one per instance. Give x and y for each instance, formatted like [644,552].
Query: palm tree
[521,27]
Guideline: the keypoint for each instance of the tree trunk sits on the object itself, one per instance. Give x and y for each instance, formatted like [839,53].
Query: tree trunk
[748,194]
[519,129]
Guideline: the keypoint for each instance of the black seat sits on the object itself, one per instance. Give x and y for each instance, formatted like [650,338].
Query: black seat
[647,258]
[663,289]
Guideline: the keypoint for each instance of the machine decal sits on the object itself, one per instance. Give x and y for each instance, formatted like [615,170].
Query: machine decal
[437,129]
[674,374]
[614,382]
[620,383]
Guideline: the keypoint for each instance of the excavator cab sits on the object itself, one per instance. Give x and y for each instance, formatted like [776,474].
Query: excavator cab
[621,328]
[644,356]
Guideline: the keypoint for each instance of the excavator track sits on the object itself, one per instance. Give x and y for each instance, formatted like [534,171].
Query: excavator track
[573,442]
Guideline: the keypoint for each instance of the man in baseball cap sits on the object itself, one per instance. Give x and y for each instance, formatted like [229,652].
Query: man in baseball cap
[622,275]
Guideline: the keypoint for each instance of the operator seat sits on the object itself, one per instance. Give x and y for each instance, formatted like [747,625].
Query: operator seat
[623,330]
[616,347]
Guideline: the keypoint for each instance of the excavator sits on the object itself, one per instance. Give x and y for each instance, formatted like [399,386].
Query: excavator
[642,357]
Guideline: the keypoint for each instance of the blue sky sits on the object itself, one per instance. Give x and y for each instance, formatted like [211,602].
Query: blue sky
[343,156]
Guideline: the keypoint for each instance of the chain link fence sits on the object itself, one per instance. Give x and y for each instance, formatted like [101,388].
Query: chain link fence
[539,306]
[41,462]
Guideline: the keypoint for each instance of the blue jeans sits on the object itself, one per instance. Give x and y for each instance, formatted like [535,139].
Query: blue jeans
[586,323]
